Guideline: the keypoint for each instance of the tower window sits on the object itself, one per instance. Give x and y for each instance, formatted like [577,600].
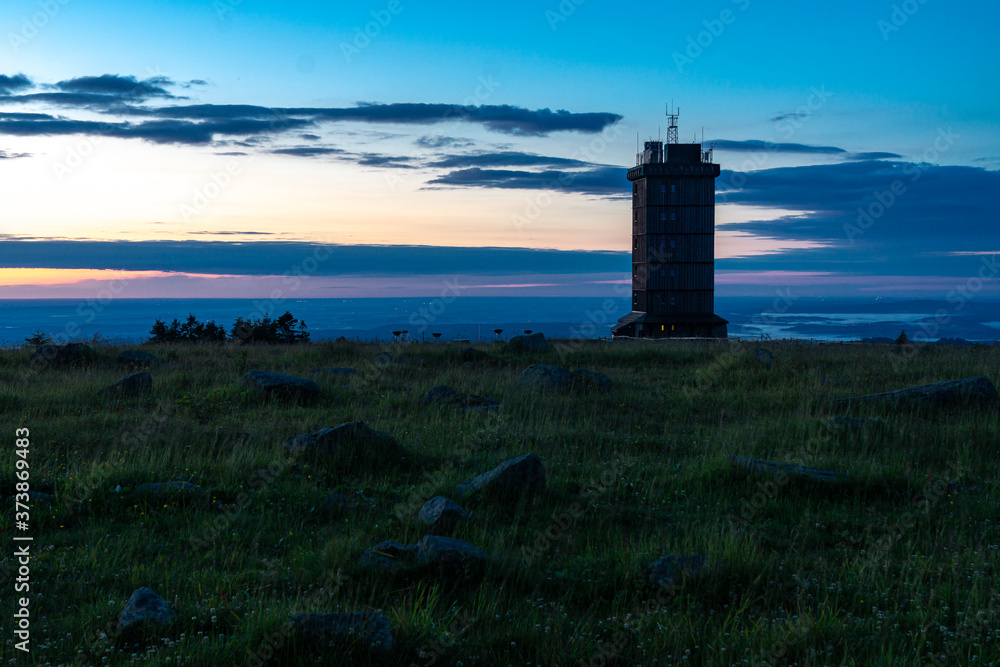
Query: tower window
[673,187]
[673,215]
[663,188]
[663,215]
[673,301]
[673,243]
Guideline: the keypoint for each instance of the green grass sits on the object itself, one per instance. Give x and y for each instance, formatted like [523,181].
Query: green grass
[895,567]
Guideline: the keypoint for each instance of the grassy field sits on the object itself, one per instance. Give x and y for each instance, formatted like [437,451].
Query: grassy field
[896,567]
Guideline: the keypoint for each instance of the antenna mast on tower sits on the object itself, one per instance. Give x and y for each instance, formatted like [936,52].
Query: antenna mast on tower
[672,116]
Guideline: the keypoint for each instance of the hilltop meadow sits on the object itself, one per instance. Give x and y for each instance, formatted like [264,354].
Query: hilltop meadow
[891,564]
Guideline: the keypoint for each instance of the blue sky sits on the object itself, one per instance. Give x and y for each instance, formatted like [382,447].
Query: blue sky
[468,116]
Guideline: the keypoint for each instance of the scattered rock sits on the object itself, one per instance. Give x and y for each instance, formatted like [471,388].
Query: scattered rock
[781,470]
[370,628]
[353,439]
[430,550]
[764,356]
[445,395]
[60,355]
[956,392]
[512,479]
[284,386]
[547,377]
[334,370]
[442,513]
[137,384]
[447,551]
[671,570]
[138,358]
[388,555]
[145,610]
[533,343]
[383,358]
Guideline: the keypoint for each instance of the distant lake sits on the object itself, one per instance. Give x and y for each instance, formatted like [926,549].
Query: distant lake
[475,318]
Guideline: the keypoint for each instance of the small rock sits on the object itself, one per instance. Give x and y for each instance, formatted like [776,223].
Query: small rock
[284,386]
[388,555]
[781,470]
[764,356]
[137,384]
[447,551]
[442,513]
[956,392]
[144,611]
[353,439]
[533,343]
[370,628]
[383,358]
[430,550]
[512,479]
[138,358]
[671,570]
[445,395]
[547,377]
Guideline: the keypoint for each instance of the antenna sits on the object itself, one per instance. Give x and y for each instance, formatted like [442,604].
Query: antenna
[672,116]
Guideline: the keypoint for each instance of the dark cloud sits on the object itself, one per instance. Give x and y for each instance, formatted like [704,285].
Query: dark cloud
[4,155]
[194,82]
[233,153]
[753,145]
[505,159]
[599,180]
[307,151]
[200,124]
[156,131]
[26,116]
[505,119]
[442,142]
[795,115]
[9,84]
[385,161]
[875,155]
[310,137]
[124,87]
[283,258]
[895,218]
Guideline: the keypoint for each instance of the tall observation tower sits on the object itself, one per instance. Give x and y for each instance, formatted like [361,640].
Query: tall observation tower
[673,242]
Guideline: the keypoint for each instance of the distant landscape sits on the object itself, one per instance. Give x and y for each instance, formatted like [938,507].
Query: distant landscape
[475,318]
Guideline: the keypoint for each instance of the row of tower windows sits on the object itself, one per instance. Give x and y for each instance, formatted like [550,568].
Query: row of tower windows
[663,216]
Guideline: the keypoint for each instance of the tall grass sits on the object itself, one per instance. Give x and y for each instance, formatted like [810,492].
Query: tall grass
[895,567]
